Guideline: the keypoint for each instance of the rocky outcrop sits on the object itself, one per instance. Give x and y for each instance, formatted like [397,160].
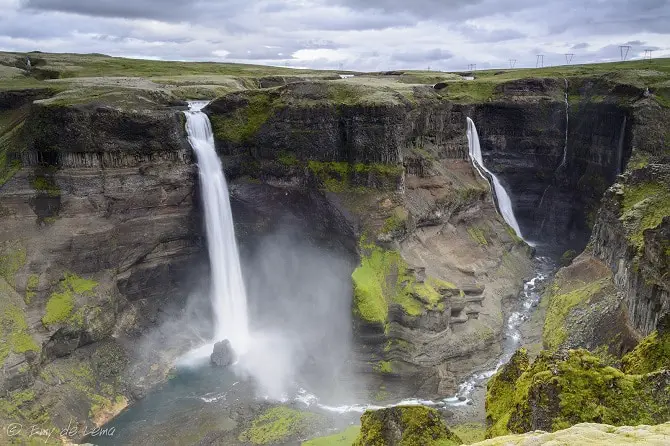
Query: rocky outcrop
[404,426]
[223,354]
[555,392]
[588,433]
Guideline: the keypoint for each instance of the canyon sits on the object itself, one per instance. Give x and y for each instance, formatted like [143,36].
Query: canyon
[104,254]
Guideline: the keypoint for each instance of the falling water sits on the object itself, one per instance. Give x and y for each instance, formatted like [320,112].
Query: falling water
[567,122]
[504,202]
[622,138]
[229,299]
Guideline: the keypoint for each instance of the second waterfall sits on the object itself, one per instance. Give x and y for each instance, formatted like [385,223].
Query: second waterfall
[502,197]
[227,293]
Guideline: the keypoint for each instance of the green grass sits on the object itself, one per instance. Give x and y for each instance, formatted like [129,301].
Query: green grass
[344,438]
[650,355]
[469,432]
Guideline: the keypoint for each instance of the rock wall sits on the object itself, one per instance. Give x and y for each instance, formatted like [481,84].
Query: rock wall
[101,241]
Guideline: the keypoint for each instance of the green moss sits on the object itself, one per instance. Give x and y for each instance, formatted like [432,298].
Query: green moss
[336,176]
[12,259]
[394,223]
[650,355]
[384,367]
[469,91]
[644,207]
[14,334]
[46,184]
[477,234]
[60,305]
[558,391]
[31,287]
[383,278]
[469,432]
[404,426]
[568,256]
[278,425]
[560,305]
[288,159]
[242,124]
[344,438]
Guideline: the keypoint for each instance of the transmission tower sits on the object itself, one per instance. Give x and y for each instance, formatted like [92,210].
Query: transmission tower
[472,67]
[512,63]
[539,63]
[568,58]
[647,55]
[624,49]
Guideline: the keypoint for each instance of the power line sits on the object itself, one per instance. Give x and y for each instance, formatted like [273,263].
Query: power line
[539,63]
[512,63]
[624,49]
[568,58]
[647,55]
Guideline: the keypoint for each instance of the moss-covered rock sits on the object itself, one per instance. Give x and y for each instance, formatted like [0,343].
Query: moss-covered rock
[560,390]
[651,354]
[279,425]
[60,307]
[405,426]
[591,434]
[383,278]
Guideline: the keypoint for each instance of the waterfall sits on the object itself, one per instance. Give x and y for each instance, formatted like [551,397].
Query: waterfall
[567,122]
[227,293]
[502,198]
[622,138]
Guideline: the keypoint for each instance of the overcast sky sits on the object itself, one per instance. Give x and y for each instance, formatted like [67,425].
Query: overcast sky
[352,34]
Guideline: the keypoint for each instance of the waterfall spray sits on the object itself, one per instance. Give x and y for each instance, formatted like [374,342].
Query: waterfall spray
[502,198]
[227,293]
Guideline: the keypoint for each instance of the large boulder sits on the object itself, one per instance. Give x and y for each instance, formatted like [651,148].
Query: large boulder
[223,354]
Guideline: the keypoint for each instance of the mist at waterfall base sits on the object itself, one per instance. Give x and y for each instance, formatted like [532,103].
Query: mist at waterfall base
[299,331]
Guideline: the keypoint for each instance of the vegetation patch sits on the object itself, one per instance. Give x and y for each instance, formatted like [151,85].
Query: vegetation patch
[14,334]
[242,124]
[278,425]
[46,184]
[12,259]
[344,438]
[469,432]
[61,303]
[644,207]
[560,304]
[31,287]
[337,176]
[558,391]
[383,278]
[477,234]
[405,426]
[650,355]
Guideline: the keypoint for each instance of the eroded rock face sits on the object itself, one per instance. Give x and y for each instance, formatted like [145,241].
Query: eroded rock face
[105,240]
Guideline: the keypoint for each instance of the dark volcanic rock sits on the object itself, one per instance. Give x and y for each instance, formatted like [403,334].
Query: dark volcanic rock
[223,354]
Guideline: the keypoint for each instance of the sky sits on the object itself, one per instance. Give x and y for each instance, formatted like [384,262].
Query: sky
[362,35]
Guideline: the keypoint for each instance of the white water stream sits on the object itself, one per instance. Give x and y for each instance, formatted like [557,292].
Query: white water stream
[501,195]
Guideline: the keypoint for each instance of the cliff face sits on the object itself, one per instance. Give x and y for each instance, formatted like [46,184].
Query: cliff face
[99,240]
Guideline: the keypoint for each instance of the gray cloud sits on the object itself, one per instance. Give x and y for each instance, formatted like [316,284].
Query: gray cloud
[434,55]
[579,46]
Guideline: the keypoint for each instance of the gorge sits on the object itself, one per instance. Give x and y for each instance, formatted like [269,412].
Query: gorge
[376,267]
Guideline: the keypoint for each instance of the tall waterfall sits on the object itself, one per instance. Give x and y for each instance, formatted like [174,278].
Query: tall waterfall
[502,198]
[622,140]
[567,122]
[228,295]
